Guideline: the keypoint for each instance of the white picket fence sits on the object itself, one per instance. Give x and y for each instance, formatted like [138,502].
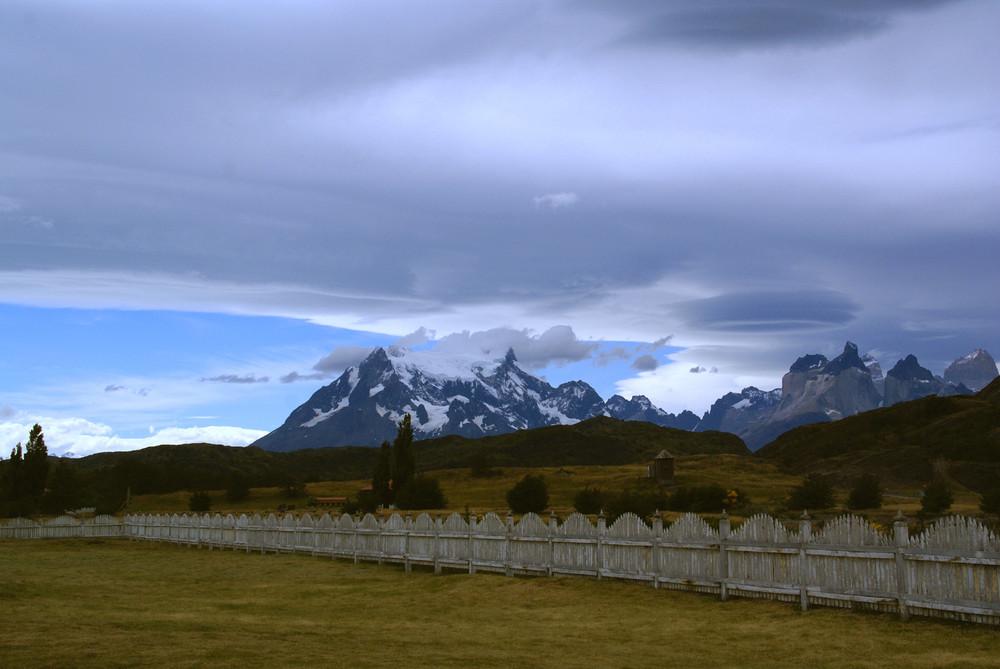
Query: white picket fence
[951,570]
[62,527]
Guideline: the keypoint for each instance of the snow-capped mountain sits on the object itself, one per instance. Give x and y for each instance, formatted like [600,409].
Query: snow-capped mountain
[475,398]
[444,395]
[974,371]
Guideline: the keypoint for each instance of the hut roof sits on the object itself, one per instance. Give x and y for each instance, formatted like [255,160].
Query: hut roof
[664,455]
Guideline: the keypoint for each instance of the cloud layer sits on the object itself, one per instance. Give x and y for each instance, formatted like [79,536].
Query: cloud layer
[761,179]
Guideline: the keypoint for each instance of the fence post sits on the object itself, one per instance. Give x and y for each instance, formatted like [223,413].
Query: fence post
[381,539]
[657,535]
[553,525]
[901,539]
[508,541]
[724,527]
[602,528]
[354,530]
[407,567]
[437,543]
[805,536]
[472,541]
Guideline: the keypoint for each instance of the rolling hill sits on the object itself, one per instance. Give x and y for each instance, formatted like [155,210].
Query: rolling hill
[904,443]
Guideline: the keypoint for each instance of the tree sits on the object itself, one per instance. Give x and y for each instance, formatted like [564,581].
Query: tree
[866,493]
[238,488]
[482,465]
[589,501]
[937,497]
[404,465]
[530,494]
[815,492]
[36,463]
[200,502]
[382,477]
[990,501]
[65,490]
[13,482]
[422,492]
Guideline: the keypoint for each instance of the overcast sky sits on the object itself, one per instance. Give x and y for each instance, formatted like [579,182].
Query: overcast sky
[210,206]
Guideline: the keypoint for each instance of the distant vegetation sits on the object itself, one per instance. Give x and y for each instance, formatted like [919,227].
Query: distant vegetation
[939,448]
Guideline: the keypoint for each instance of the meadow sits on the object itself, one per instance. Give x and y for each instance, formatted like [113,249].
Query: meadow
[119,603]
[765,483]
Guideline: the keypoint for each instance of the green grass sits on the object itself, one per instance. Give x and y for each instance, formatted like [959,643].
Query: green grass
[116,603]
[767,485]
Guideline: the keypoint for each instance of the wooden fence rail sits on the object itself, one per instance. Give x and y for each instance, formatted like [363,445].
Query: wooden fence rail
[951,570]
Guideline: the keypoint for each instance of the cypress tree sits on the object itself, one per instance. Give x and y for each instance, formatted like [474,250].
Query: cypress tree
[402,452]
[13,482]
[382,477]
[36,463]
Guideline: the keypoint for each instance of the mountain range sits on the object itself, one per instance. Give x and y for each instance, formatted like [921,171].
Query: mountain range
[476,398]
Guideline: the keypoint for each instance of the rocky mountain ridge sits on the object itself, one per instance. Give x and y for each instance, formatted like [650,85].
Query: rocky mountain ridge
[460,397]
[474,398]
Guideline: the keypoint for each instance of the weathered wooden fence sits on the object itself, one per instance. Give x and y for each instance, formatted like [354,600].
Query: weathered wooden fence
[62,527]
[950,570]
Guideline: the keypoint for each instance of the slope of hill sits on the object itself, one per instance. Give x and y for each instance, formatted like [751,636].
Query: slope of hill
[903,443]
[597,441]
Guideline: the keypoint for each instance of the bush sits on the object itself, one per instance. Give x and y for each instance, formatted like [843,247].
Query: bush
[990,501]
[292,488]
[422,492]
[815,492]
[482,465]
[200,502]
[937,497]
[866,493]
[365,502]
[710,498]
[589,501]
[529,495]
[642,503]
[238,489]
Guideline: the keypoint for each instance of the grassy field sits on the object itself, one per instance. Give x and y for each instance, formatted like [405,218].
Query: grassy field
[765,483]
[115,603]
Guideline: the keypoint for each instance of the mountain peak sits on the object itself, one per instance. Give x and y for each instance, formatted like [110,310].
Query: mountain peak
[846,360]
[909,369]
[975,370]
[510,358]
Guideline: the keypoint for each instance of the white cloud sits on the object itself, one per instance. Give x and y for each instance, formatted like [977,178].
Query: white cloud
[556,200]
[77,437]
[557,345]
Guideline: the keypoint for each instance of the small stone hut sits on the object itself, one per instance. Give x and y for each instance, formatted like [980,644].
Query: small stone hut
[662,468]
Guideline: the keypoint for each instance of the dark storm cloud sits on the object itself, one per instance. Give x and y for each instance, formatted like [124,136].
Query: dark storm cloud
[777,310]
[465,166]
[736,24]
[340,359]
[645,363]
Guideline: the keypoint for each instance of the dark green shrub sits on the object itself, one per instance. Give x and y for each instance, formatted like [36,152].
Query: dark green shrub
[866,493]
[481,466]
[642,502]
[365,502]
[422,492]
[291,488]
[589,501]
[937,497]
[990,501]
[529,495]
[238,489]
[815,492]
[200,502]
[709,498]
